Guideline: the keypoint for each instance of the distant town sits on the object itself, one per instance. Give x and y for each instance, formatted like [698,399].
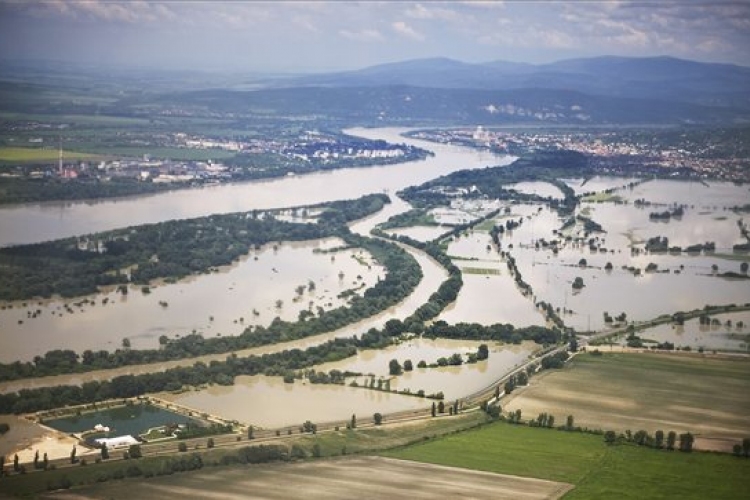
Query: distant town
[252,157]
[709,154]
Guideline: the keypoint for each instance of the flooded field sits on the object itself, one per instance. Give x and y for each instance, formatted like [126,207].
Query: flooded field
[268,402]
[597,184]
[543,189]
[275,281]
[421,233]
[730,332]
[453,381]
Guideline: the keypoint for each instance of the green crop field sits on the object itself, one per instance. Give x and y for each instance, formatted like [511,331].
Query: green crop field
[14,154]
[597,470]
[707,396]
[177,154]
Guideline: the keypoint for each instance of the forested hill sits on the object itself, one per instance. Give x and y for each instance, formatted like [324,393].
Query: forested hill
[403,104]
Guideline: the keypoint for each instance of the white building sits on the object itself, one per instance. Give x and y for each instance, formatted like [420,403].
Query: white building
[117,442]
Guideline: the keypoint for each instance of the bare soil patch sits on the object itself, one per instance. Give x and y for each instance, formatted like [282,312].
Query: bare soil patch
[361,477]
[705,396]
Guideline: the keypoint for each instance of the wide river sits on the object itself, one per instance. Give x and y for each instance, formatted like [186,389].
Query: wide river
[31,223]
[248,289]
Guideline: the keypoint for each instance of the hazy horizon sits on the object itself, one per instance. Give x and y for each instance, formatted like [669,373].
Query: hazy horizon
[313,36]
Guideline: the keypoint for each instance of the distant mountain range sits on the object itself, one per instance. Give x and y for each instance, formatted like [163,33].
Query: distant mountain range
[595,91]
[656,78]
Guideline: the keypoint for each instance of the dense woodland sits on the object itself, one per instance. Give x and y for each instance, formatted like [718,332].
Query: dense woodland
[171,250]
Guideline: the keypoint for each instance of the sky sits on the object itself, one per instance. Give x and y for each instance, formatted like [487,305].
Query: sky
[315,36]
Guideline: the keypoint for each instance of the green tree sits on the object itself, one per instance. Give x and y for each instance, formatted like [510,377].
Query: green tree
[686,442]
[744,267]
[408,365]
[441,407]
[377,418]
[210,443]
[105,452]
[746,447]
[551,421]
[434,409]
[126,343]
[659,439]
[610,437]
[483,352]
[671,440]
[394,368]
[569,422]
[250,432]
[353,423]
[573,346]
[182,447]
[135,451]
[578,283]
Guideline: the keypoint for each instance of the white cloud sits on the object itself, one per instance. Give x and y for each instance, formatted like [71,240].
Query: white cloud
[111,11]
[404,29]
[419,11]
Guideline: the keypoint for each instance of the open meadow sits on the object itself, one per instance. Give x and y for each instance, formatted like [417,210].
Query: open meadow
[597,470]
[15,154]
[704,395]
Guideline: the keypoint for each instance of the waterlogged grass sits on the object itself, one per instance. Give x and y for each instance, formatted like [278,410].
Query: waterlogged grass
[597,470]
[602,197]
[479,270]
[15,154]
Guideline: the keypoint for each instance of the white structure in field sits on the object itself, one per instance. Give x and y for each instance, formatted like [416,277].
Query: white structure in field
[117,442]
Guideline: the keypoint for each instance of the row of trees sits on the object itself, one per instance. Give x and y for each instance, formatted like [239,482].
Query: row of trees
[659,440]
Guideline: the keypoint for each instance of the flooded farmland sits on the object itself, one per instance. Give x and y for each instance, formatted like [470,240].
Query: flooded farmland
[298,275]
[269,402]
[275,282]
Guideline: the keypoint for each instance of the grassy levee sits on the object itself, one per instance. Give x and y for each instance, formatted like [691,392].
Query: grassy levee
[596,469]
[704,395]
